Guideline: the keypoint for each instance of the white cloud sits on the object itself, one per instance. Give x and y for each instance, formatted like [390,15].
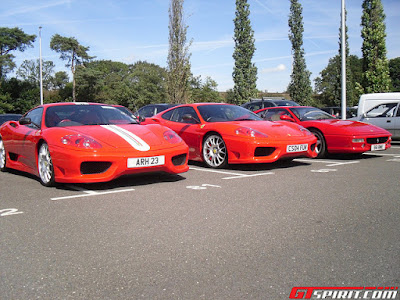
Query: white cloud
[278,68]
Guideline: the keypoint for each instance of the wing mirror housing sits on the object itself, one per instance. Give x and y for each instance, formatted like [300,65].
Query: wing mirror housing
[25,121]
[286,118]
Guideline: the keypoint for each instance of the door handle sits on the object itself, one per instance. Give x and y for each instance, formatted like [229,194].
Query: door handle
[388,121]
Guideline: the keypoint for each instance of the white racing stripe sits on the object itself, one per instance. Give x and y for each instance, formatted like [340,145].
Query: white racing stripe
[135,141]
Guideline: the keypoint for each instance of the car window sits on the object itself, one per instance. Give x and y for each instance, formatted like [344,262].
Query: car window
[382,111]
[273,114]
[36,117]
[178,114]
[398,110]
[79,115]
[168,114]
[226,113]
[147,111]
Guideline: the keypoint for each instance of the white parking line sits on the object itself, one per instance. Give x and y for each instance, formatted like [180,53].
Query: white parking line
[329,163]
[89,193]
[235,175]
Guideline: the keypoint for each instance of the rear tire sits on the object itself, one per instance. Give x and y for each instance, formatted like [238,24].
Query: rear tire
[3,157]
[45,166]
[321,143]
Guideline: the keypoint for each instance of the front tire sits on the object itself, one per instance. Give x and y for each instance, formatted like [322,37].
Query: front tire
[3,157]
[45,166]
[214,151]
[321,143]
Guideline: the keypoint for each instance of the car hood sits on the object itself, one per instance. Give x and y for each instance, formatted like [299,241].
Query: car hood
[272,129]
[140,137]
[350,127]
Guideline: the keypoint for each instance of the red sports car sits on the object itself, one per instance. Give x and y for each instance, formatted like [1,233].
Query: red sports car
[219,134]
[334,135]
[87,142]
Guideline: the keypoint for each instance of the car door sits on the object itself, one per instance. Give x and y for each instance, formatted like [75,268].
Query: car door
[26,137]
[189,129]
[396,123]
[382,115]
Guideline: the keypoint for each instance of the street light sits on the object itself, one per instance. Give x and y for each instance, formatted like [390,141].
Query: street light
[40,65]
[343,41]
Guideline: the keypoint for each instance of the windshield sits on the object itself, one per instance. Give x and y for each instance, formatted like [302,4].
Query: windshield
[310,113]
[84,114]
[226,113]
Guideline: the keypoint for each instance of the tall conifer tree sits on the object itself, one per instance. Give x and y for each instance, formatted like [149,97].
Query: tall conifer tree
[244,72]
[300,89]
[178,78]
[375,64]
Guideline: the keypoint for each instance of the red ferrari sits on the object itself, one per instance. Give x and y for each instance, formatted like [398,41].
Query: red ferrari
[219,134]
[87,142]
[334,135]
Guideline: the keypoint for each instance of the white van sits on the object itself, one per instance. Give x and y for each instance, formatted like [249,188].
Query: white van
[382,110]
[369,101]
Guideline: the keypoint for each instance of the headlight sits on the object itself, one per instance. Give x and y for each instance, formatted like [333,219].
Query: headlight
[305,130]
[172,137]
[358,140]
[80,141]
[250,132]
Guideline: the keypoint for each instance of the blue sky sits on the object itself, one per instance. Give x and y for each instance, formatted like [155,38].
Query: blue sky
[133,30]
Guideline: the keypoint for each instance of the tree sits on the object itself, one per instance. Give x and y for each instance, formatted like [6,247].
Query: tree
[394,70]
[204,91]
[328,85]
[30,71]
[244,72]
[299,88]
[71,51]
[12,39]
[178,55]
[375,64]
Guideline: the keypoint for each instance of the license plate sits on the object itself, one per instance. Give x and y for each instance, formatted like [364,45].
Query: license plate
[140,162]
[297,148]
[378,147]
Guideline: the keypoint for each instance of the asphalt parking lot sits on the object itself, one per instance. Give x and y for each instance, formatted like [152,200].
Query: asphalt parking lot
[244,232]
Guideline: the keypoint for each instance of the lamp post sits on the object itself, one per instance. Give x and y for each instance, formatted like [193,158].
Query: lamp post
[343,52]
[40,65]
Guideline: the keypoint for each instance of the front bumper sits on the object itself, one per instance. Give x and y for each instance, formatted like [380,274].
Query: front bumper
[242,151]
[346,144]
[84,166]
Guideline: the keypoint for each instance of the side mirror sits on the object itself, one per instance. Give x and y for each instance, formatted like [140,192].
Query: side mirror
[189,119]
[286,118]
[25,121]
[141,119]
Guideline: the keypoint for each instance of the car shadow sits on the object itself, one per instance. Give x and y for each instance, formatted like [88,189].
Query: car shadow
[280,164]
[124,182]
[350,156]
[121,182]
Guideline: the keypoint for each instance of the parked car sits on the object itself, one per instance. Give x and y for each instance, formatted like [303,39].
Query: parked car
[9,117]
[334,135]
[87,142]
[153,109]
[385,115]
[219,134]
[336,111]
[256,104]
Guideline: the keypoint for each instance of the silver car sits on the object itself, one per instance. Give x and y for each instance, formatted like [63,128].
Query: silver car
[384,115]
